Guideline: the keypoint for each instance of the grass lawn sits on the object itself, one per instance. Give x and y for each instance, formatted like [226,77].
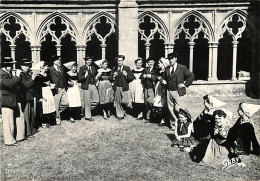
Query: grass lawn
[113,150]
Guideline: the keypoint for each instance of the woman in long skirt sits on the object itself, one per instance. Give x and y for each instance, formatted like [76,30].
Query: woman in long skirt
[160,110]
[105,90]
[137,90]
[74,95]
[45,105]
[218,148]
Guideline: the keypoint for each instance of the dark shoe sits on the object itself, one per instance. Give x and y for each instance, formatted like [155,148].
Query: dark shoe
[21,140]
[161,124]
[89,119]
[31,136]
[14,144]
[120,118]
[147,121]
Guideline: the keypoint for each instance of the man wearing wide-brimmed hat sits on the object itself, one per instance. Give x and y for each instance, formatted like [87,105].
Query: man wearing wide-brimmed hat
[9,85]
[27,88]
[87,74]
[176,78]
[57,77]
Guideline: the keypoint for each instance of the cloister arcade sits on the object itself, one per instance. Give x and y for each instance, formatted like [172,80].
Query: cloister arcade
[214,44]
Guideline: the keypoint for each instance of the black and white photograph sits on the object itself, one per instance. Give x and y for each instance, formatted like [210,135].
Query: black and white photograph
[131,90]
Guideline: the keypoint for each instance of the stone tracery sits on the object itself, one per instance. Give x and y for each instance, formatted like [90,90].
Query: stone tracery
[48,30]
[10,22]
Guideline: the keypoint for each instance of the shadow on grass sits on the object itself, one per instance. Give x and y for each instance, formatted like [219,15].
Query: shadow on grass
[170,136]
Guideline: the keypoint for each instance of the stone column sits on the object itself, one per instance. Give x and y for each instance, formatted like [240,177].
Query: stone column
[234,65]
[128,30]
[147,50]
[191,44]
[12,47]
[103,49]
[33,50]
[58,48]
[165,50]
[210,63]
[168,48]
[214,60]
[38,53]
[80,54]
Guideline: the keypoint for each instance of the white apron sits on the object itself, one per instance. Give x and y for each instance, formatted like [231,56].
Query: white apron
[74,95]
[48,104]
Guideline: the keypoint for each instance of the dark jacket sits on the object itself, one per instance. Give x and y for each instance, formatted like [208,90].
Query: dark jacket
[125,79]
[179,76]
[150,82]
[9,86]
[86,80]
[27,86]
[57,78]
[39,82]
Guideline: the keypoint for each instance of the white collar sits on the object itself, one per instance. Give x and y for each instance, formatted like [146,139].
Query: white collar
[6,71]
[56,67]
[103,70]
[140,69]
[175,66]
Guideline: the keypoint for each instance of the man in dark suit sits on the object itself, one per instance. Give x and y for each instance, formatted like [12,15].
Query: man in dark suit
[177,78]
[57,77]
[87,78]
[121,75]
[148,79]
[27,88]
[9,84]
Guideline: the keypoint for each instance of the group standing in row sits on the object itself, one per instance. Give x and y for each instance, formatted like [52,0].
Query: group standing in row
[36,96]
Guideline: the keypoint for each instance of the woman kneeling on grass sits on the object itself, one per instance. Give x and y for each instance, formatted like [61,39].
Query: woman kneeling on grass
[218,148]
[183,138]
[243,132]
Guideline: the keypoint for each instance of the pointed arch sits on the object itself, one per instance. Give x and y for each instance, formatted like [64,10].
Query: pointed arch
[208,30]
[71,28]
[25,28]
[89,28]
[244,18]
[164,32]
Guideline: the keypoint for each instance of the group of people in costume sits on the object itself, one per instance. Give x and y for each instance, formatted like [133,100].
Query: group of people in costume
[35,96]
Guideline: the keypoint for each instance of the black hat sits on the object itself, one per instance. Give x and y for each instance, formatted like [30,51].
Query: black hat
[7,60]
[186,112]
[120,57]
[172,55]
[25,61]
[149,59]
[88,57]
[55,57]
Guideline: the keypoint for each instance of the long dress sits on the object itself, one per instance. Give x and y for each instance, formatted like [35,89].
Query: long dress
[45,105]
[160,93]
[218,148]
[204,125]
[182,129]
[74,95]
[105,90]
[136,87]
[243,133]
[159,111]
